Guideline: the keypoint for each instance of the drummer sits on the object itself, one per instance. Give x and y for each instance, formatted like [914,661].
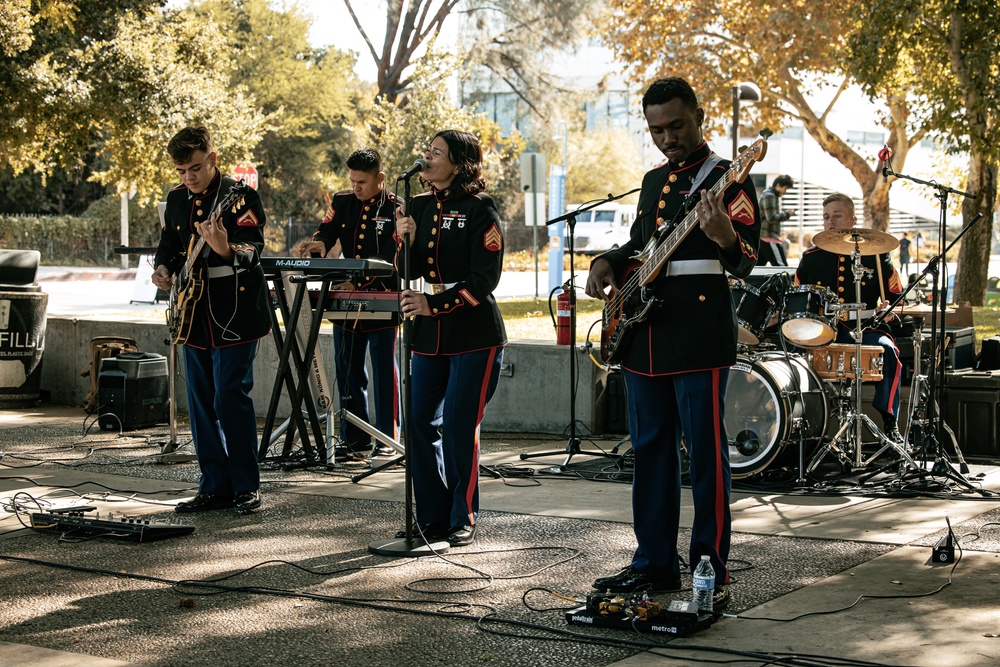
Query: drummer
[828,269]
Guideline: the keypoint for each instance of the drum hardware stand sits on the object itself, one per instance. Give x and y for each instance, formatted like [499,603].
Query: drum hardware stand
[855,418]
[936,372]
[573,444]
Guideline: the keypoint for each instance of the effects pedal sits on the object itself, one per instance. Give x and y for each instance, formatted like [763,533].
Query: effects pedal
[73,522]
[679,618]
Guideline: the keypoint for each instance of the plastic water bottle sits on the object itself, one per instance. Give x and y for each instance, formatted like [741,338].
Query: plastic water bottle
[704,585]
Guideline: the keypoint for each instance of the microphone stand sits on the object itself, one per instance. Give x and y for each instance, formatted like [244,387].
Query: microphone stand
[936,372]
[573,444]
[410,545]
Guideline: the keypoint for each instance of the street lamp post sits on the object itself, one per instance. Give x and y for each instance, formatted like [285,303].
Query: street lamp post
[744,92]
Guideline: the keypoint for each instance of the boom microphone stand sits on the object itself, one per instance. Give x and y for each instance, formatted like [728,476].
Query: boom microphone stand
[410,545]
[936,372]
[573,444]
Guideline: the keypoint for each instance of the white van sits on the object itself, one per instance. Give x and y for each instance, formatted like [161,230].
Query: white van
[601,228]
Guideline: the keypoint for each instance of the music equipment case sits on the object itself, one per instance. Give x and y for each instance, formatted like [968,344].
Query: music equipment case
[133,391]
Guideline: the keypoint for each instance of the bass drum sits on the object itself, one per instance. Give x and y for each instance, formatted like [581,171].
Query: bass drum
[770,398]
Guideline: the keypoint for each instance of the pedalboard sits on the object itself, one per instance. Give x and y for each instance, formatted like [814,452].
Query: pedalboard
[679,618]
[74,522]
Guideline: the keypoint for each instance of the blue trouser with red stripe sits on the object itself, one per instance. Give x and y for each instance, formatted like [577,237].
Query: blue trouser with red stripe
[352,380]
[223,419]
[662,408]
[886,399]
[449,399]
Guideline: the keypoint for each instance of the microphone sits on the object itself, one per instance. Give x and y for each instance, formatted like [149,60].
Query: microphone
[417,166]
[883,157]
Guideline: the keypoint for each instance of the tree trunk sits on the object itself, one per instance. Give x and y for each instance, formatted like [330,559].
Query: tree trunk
[875,195]
[974,256]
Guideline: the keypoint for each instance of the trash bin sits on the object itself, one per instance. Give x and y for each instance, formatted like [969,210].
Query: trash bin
[22,328]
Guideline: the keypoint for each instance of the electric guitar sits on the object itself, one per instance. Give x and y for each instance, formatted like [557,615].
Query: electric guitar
[631,304]
[189,283]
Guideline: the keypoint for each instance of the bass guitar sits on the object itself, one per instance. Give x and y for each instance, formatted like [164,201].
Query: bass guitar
[189,282]
[631,303]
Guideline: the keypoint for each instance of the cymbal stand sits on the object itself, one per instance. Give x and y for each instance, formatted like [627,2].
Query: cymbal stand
[854,419]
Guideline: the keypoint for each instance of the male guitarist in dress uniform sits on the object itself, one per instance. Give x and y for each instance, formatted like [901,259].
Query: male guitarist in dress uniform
[361,223]
[226,307]
[676,363]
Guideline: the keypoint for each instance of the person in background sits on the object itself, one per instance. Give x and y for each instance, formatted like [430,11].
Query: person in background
[456,245]
[904,254]
[225,323]
[827,269]
[772,248]
[676,368]
[360,223]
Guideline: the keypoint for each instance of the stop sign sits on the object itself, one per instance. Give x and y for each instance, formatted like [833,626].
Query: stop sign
[248,173]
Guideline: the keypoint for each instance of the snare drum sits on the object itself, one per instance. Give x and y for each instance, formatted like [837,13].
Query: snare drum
[805,322]
[836,362]
[773,403]
[753,311]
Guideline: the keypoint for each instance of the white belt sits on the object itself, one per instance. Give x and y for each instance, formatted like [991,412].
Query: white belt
[437,288]
[691,267]
[222,271]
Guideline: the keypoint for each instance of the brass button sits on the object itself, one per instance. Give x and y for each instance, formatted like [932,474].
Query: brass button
[458,301]
[447,306]
[361,236]
[433,232]
[367,207]
[659,221]
[200,212]
[673,178]
[435,217]
[840,289]
[430,260]
[432,274]
[666,189]
[197,202]
[430,244]
[357,257]
[701,297]
[364,227]
[242,288]
[364,217]
[435,311]
[662,203]
[841,278]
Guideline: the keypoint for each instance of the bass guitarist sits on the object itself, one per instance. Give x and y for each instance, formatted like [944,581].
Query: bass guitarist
[227,303]
[676,362]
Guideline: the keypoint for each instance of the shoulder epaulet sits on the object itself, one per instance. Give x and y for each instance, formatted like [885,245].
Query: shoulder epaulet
[810,250]
[178,187]
[341,193]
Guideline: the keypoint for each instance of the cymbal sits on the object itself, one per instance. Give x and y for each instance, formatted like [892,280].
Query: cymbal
[843,241]
[920,309]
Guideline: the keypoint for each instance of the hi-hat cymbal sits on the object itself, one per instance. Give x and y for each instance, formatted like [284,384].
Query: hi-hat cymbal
[920,309]
[868,241]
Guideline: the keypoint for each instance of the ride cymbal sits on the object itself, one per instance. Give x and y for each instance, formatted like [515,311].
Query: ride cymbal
[844,241]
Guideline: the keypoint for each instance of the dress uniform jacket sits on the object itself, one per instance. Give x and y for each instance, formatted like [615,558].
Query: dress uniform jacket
[827,269]
[694,325]
[366,230]
[458,251]
[234,306]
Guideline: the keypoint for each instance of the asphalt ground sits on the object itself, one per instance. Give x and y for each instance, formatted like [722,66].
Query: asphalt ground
[295,584]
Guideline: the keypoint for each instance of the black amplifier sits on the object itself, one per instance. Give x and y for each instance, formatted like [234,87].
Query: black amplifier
[133,389]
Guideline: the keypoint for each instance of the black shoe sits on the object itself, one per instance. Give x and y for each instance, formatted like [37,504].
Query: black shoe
[351,452]
[631,579]
[431,532]
[203,502]
[461,536]
[383,451]
[247,502]
[720,598]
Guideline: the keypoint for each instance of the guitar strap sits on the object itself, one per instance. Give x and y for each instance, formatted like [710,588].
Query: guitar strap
[706,168]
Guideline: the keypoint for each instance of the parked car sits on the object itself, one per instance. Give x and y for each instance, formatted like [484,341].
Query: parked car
[601,228]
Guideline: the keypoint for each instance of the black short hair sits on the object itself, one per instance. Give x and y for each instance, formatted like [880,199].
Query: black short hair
[784,181]
[663,90]
[365,159]
[187,141]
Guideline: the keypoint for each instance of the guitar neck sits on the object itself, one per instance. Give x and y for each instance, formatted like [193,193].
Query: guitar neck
[665,249]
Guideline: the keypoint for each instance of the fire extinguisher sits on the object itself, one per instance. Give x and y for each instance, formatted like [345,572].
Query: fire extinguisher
[564,311]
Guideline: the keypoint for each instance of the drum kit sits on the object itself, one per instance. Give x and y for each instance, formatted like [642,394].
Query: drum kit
[779,401]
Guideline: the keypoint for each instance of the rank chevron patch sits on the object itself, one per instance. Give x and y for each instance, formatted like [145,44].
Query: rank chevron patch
[248,219]
[493,239]
[741,209]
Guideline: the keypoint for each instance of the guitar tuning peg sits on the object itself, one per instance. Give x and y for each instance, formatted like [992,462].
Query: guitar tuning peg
[766,133]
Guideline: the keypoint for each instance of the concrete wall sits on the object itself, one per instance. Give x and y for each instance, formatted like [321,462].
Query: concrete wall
[533,394]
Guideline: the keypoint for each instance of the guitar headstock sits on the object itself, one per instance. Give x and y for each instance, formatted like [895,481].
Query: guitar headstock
[755,152]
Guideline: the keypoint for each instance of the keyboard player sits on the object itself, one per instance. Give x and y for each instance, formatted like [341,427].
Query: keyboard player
[360,223]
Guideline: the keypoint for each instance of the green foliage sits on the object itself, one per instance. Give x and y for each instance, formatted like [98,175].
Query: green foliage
[310,96]
[402,134]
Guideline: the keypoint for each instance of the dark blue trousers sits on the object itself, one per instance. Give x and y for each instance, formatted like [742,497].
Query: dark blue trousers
[352,380]
[886,399]
[662,410]
[223,419]
[449,399]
